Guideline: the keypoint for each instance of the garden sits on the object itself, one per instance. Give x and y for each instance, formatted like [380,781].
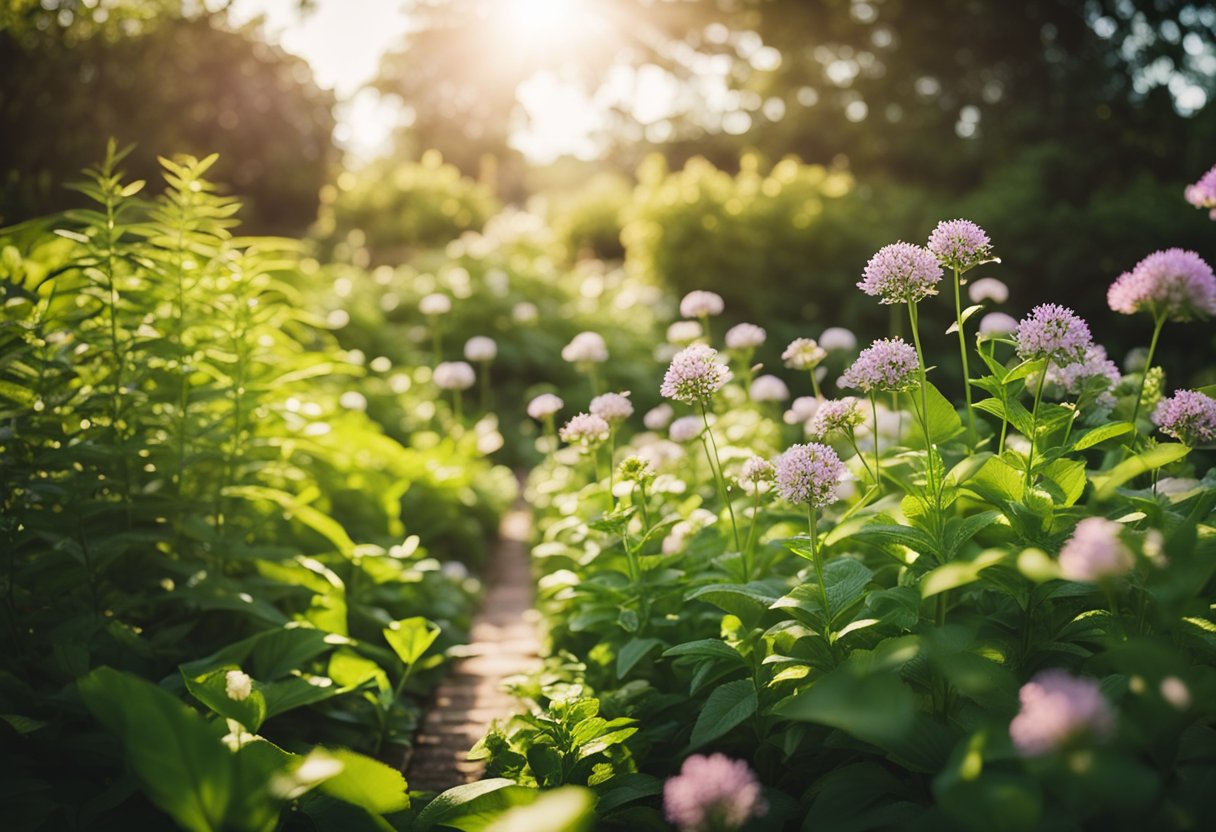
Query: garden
[861,470]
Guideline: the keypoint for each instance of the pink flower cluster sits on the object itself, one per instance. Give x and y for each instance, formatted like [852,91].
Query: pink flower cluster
[960,244]
[1053,332]
[836,416]
[1189,416]
[695,375]
[888,365]
[1058,709]
[1203,193]
[745,337]
[1094,552]
[901,273]
[1175,283]
[809,474]
[712,793]
[613,408]
[585,429]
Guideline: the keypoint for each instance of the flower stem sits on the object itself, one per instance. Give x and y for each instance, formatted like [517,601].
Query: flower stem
[751,535]
[962,351]
[815,385]
[857,450]
[1034,421]
[877,467]
[721,480]
[812,522]
[1158,325]
[930,477]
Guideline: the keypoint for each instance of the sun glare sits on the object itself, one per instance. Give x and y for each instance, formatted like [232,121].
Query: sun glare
[537,20]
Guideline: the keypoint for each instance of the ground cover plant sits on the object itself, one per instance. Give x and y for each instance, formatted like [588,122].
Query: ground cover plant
[853,603]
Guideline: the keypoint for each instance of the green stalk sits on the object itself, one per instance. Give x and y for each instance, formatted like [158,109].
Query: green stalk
[1034,421]
[458,407]
[717,470]
[930,477]
[815,384]
[812,522]
[962,350]
[485,387]
[853,442]
[877,466]
[751,533]
[1158,325]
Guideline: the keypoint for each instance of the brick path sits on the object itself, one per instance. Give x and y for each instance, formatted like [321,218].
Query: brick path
[503,643]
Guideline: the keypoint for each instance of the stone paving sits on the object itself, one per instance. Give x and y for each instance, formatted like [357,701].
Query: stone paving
[503,642]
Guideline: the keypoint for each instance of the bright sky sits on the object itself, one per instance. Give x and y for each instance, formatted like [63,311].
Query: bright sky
[343,41]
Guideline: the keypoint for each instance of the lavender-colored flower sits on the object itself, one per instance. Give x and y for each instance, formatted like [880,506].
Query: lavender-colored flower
[585,429]
[960,244]
[745,337]
[988,288]
[838,339]
[1094,376]
[1057,710]
[480,348]
[1175,283]
[453,375]
[888,365]
[435,304]
[803,354]
[997,323]
[686,429]
[1053,332]
[658,417]
[544,406]
[1202,194]
[613,408]
[1095,552]
[585,348]
[809,474]
[756,474]
[695,375]
[801,410]
[700,304]
[684,332]
[901,273]
[838,416]
[712,793]
[768,388]
[1189,416]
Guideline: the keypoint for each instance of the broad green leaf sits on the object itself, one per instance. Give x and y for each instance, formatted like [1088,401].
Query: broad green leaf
[943,419]
[272,654]
[1011,411]
[914,539]
[366,783]
[15,392]
[874,707]
[961,530]
[474,806]
[410,638]
[212,690]
[997,482]
[1101,434]
[294,507]
[748,601]
[728,706]
[633,652]
[567,809]
[298,691]
[350,670]
[1105,484]
[708,648]
[958,573]
[1068,476]
[626,788]
[967,313]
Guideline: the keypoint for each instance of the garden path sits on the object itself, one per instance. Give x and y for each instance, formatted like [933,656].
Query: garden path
[503,642]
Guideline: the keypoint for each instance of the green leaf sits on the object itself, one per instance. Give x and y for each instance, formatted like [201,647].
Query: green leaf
[961,530]
[212,690]
[1011,411]
[568,809]
[997,482]
[1068,477]
[914,539]
[728,706]
[874,707]
[15,392]
[748,601]
[707,648]
[633,652]
[1101,434]
[1106,484]
[410,638]
[298,691]
[958,573]
[967,313]
[943,419]
[473,806]
[366,783]
[294,508]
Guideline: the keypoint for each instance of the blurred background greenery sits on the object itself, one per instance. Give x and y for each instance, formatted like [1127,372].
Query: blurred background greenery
[760,148]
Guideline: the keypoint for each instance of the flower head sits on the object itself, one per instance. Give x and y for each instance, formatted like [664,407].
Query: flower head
[1057,710]
[544,406]
[838,416]
[838,339]
[684,332]
[480,348]
[988,288]
[453,375]
[768,388]
[435,304]
[1203,193]
[1094,375]
[686,429]
[801,410]
[585,348]
[901,273]
[888,365]
[997,323]
[613,408]
[700,304]
[525,312]
[745,337]
[658,417]
[1175,283]
[803,354]
[809,474]
[585,429]
[960,244]
[1053,332]
[756,474]
[1189,416]
[1095,552]
[637,469]
[695,375]
[712,793]
[237,685]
